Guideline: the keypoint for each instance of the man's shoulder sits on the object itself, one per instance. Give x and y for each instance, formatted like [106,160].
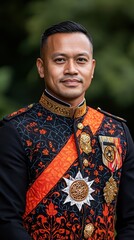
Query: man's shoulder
[111,115]
[19,112]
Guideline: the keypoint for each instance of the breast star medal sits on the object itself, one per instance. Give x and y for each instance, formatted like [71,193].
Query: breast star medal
[79,191]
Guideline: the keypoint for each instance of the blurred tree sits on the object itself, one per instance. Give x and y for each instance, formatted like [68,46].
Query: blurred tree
[110,23]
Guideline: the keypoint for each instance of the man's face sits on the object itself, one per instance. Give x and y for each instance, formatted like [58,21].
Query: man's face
[67,66]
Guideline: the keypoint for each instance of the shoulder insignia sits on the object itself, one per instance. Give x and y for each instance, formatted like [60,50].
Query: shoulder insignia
[111,115]
[18,112]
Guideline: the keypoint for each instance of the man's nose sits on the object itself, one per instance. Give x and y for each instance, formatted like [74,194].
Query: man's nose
[70,67]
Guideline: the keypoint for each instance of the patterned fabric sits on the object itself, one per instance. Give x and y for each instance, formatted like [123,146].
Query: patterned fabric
[44,134]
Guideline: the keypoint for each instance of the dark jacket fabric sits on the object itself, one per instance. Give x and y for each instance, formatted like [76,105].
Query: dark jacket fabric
[30,140]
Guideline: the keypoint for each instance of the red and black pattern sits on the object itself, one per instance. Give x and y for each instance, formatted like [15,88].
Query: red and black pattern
[43,135]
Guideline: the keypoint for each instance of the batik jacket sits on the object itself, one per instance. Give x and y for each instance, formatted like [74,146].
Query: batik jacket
[65,173]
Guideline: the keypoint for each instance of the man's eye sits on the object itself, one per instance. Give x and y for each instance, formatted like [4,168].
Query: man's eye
[59,60]
[82,60]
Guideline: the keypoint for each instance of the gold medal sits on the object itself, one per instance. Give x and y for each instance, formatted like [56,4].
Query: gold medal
[109,153]
[78,190]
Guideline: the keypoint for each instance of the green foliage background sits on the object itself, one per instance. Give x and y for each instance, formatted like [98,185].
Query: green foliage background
[111,23]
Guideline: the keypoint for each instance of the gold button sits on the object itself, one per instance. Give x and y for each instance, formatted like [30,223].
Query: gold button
[85,162]
[88,231]
[30,105]
[80,126]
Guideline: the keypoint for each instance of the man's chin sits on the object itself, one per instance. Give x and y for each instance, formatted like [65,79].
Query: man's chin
[71,96]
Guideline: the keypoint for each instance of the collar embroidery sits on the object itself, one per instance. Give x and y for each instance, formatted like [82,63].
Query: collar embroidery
[62,110]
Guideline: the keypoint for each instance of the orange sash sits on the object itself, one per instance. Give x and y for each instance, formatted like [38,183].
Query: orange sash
[60,164]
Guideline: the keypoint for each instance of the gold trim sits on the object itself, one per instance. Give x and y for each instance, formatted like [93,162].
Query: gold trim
[62,110]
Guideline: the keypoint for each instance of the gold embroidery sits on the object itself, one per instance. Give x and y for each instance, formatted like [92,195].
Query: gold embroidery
[110,190]
[61,109]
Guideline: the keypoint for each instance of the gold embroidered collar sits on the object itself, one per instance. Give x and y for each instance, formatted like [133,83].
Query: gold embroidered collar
[62,110]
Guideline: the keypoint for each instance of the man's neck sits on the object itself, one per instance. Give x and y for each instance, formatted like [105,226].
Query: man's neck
[48,94]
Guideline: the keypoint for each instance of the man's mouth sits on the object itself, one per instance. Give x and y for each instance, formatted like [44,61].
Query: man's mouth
[71,82]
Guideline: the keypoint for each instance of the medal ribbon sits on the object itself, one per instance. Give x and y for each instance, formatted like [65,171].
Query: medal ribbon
[60,164]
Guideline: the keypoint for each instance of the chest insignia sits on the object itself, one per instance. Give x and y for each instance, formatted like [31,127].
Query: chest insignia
[112,159]
[111,152]
[79,191]
[85,142]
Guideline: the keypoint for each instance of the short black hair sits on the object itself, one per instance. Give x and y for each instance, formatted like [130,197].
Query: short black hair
[64,27]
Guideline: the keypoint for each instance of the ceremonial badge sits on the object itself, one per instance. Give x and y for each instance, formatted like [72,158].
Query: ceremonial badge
[111,152]
[111,157]
[79,190]
[85,142]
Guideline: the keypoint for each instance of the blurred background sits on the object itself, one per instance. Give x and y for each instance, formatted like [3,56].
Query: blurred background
[111,24]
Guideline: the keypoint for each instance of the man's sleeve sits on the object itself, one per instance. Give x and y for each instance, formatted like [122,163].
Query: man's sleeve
[125,203]
[13,184]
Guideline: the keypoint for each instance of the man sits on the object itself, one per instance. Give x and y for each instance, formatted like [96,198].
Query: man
[66,170]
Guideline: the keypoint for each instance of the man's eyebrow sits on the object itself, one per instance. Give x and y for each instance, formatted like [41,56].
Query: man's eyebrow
[58,54]
[83,54]
[65,54]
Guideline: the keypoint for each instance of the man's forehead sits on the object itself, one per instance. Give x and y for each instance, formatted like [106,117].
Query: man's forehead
[71,35]
[75,40]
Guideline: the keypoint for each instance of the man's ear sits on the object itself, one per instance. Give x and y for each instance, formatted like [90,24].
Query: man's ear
[93,67]
[40,67]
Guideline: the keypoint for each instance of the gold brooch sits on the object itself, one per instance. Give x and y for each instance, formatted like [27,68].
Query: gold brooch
[85,142]
[110,190]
